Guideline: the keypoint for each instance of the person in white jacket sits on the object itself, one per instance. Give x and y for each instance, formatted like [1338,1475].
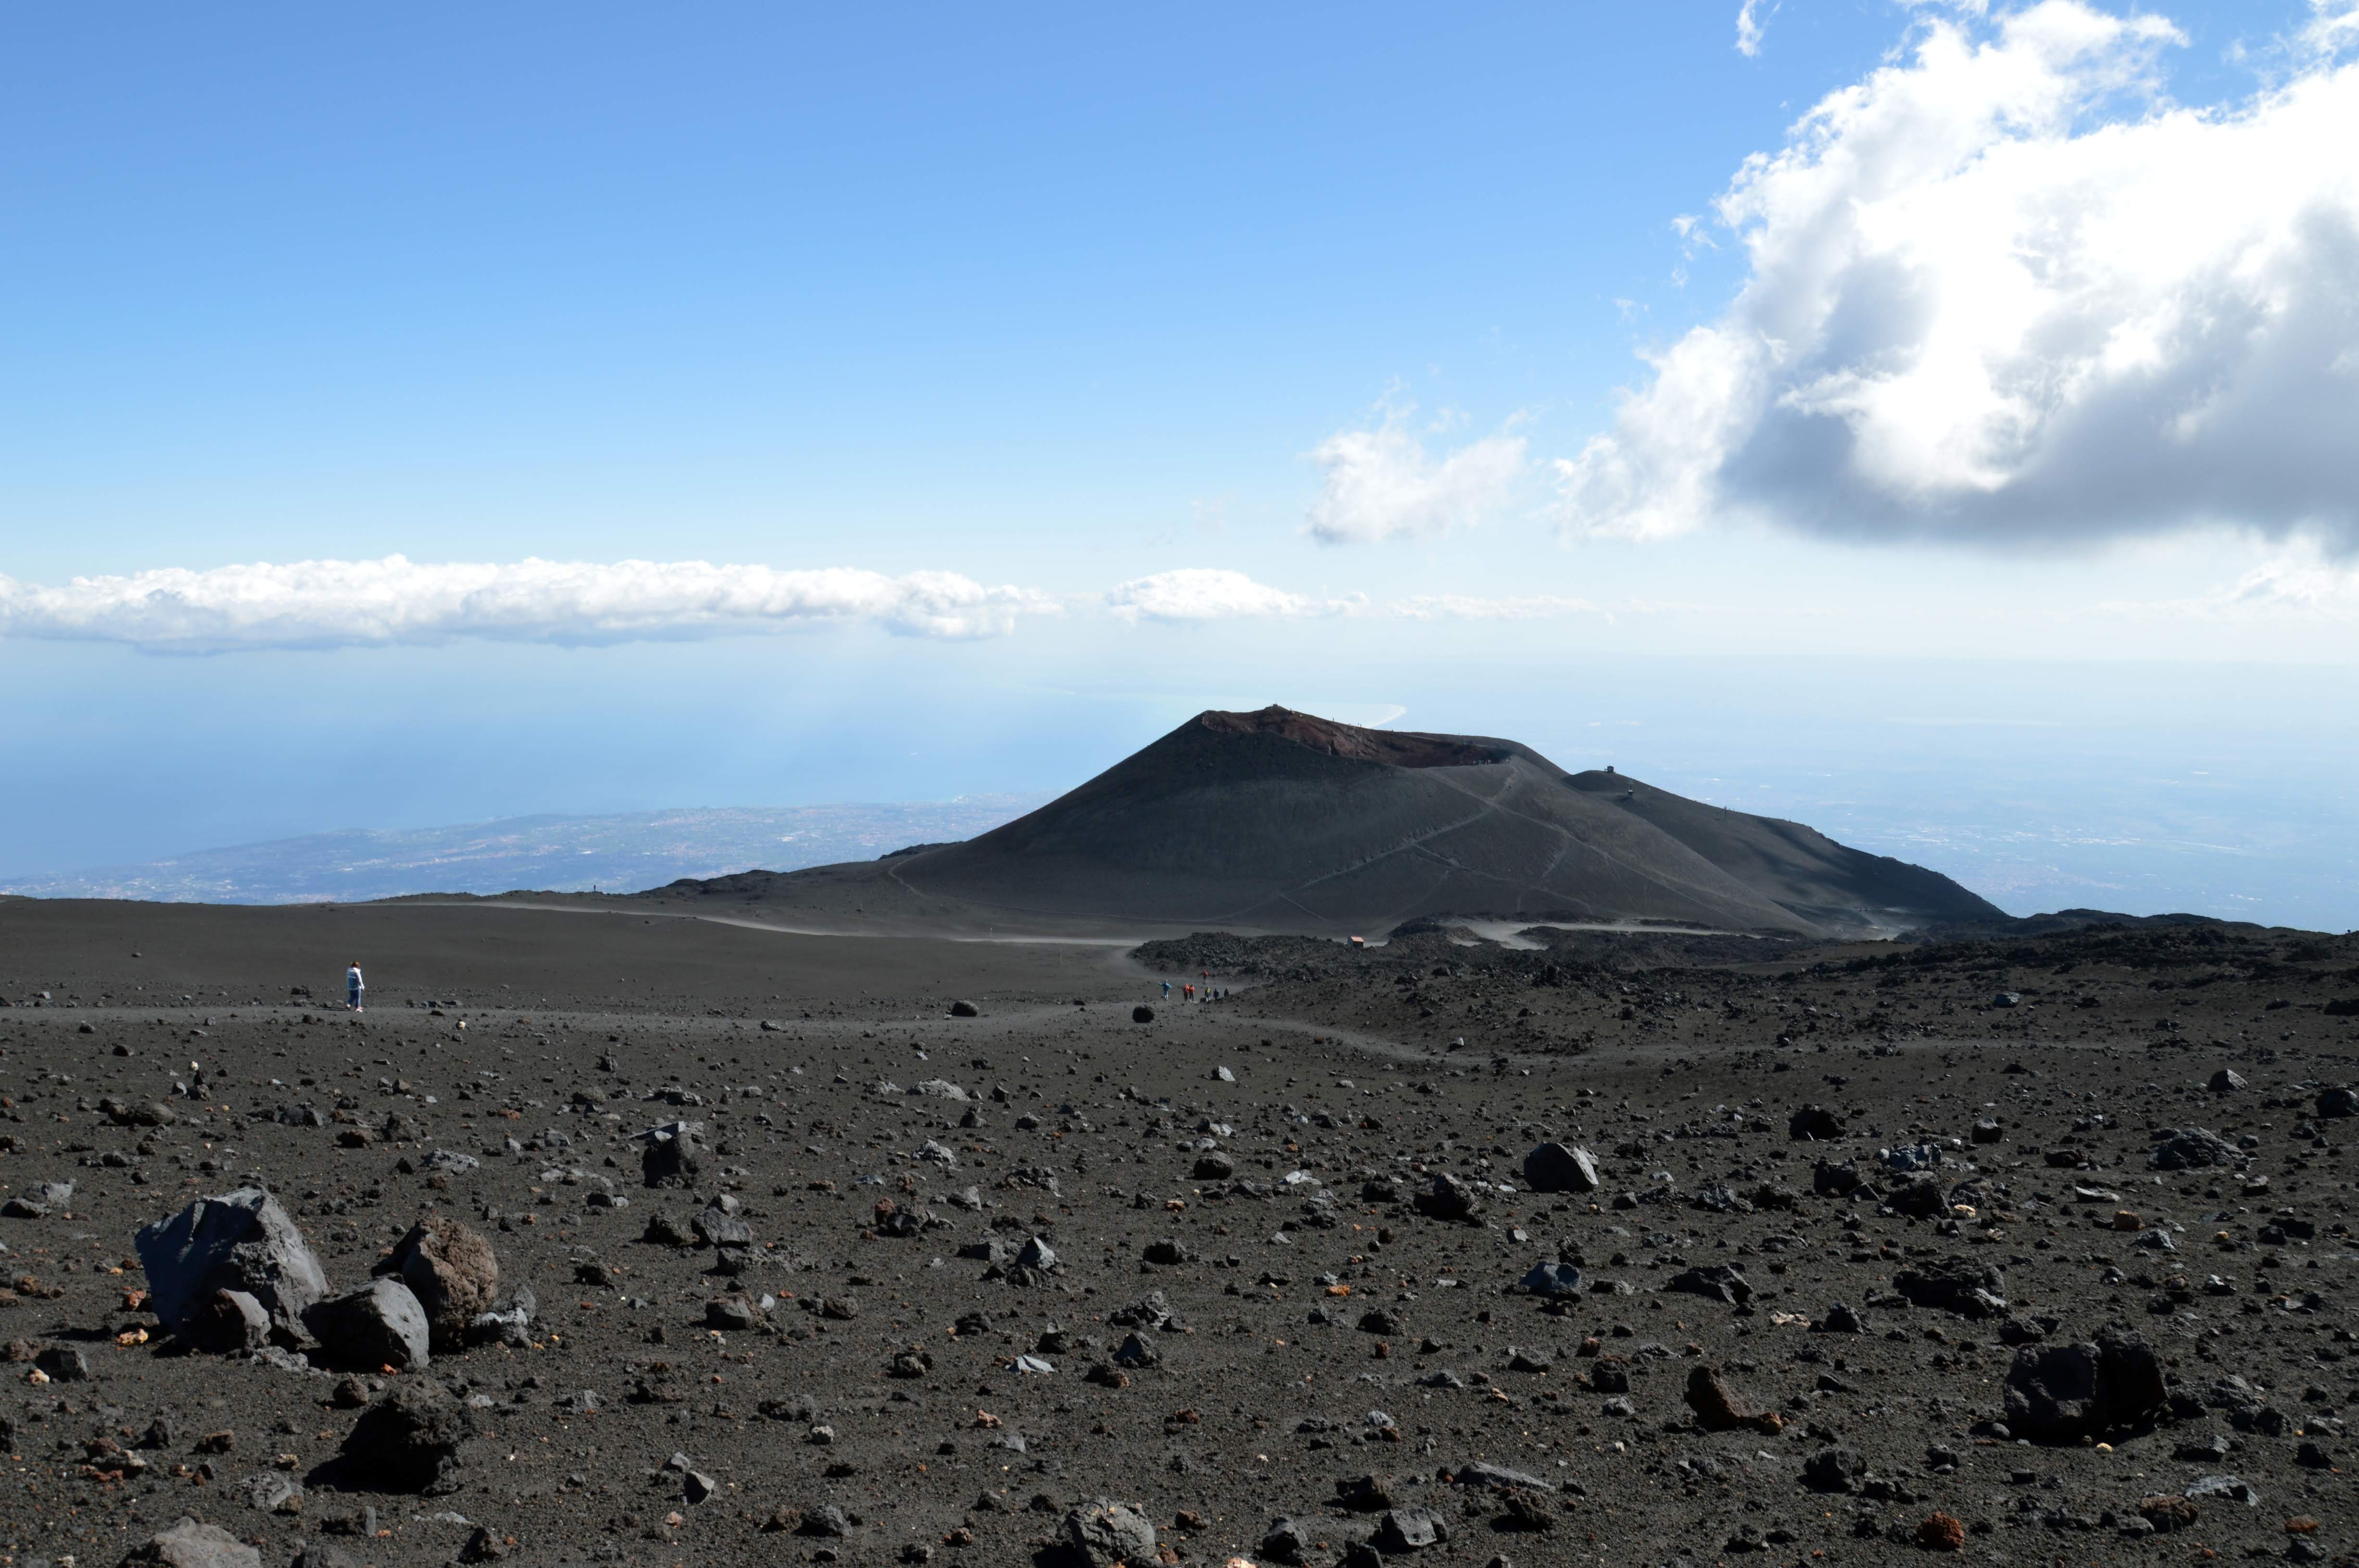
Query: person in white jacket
[354,986]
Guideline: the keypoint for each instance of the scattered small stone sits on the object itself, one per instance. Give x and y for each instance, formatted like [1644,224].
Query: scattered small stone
[188,1544]
[1409,1530]
[1561,1168]
[1941,1532]
[1717,1281]
[63,1364]
[1814,1123]
[2228,1488]
[1449,1197]
[1106,1533]
[1717,1409]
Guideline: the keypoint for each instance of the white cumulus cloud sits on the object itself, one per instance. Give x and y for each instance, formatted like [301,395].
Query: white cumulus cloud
[2334,26]
[1750,23]
[1210,593]
[396,600]
[2005,290]
[1383,484]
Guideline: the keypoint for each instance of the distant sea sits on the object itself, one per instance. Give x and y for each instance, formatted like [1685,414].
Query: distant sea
[617,853]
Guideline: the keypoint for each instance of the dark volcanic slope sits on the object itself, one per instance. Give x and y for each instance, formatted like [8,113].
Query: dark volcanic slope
[1281,821]
[1277,1303]
[1801,868]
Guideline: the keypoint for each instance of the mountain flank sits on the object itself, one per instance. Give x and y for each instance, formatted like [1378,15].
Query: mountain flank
[1285,822]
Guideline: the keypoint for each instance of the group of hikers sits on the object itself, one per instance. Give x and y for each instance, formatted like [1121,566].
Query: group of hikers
[1187,989]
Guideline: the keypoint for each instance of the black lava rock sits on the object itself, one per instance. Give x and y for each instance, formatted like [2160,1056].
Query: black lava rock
[410,1440]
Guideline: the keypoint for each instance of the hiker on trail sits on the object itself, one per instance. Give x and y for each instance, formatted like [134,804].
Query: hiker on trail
[1167,991]
[1188,992]
[354,986]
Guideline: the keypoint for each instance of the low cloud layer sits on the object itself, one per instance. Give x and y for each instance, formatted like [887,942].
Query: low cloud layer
[2005,291]
[1476,607]
[1383,484]
[1198,594]
[2298,588]
[395,602]
[320,604]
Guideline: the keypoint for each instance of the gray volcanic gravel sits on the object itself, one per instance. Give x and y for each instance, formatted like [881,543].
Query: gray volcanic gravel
[1045,1284]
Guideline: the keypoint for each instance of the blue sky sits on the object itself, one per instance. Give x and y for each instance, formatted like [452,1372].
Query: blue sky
[941,284]
[921,401]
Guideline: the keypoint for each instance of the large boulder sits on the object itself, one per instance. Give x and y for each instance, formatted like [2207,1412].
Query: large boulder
[241,1241]
[1105,1532]
[188,1544]
[409,1441]
[2061,1394]
[380,1325]
[451,1270]
[1561,1168]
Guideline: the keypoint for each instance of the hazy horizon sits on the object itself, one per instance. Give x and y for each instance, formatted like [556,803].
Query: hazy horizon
[2142,790]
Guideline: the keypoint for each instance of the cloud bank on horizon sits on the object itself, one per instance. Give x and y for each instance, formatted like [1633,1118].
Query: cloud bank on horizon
[2005,291]
[393,601]
[1193,595]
